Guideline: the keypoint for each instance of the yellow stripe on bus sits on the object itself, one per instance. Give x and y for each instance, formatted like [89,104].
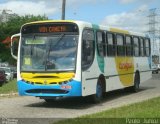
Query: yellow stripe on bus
[125,69]
[119,30]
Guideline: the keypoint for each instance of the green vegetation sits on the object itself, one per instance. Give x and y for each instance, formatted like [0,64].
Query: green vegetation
[146,109]
[141,111]
[9,28]
[10,87]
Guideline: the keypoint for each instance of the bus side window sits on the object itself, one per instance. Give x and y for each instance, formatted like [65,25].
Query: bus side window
[120,45]
[136,46]
[129,46]
[147,47]
[142,46]
[111,50]
[87,48]
[101,43]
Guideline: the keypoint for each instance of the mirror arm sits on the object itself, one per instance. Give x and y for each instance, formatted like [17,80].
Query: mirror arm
[13,36]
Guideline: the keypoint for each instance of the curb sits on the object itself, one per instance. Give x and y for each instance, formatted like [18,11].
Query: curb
[10,94]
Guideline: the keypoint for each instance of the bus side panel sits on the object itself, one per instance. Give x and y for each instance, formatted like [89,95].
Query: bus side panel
[119,72]
[143,66]
[112,79]
[89,79]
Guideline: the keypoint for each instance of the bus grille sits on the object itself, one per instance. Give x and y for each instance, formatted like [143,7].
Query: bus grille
[51,91]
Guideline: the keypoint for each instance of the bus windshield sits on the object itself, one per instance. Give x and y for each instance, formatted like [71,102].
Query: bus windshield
[48,52]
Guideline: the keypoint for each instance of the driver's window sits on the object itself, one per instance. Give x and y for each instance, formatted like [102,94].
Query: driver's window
[87,48]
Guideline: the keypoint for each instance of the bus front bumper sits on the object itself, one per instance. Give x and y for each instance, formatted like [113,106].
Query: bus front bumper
[71,89]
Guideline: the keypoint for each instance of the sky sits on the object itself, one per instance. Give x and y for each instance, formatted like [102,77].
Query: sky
[127,14]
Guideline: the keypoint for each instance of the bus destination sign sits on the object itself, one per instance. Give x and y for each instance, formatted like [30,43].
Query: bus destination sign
[50,28]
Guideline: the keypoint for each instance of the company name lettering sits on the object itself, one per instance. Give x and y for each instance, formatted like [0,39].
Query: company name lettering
[125,66]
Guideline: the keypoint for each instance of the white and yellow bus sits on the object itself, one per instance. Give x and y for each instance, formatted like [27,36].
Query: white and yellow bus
[74,58]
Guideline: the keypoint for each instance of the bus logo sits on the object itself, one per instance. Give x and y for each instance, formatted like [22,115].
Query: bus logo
[45,82]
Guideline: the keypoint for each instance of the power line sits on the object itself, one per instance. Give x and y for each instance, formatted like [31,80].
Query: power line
[154,30]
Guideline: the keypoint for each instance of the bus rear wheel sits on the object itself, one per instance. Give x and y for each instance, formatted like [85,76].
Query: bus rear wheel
[135,88]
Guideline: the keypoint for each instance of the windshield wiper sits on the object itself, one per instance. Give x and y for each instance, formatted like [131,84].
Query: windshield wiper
[49,50]
[32,47]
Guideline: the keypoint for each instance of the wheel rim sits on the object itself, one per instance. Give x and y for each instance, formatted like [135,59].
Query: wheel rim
[99,90]
[137,83]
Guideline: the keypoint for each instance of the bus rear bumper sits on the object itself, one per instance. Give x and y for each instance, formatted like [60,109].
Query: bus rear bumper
[70,89]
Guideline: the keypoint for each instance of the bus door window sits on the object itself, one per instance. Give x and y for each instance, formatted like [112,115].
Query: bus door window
[87,48]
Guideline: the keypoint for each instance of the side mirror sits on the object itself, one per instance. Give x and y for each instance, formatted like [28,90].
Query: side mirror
[14,45]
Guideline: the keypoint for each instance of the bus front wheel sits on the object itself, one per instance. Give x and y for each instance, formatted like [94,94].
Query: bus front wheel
[96,98]
[49,100]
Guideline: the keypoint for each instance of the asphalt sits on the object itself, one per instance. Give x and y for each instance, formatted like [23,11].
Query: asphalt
[36,111]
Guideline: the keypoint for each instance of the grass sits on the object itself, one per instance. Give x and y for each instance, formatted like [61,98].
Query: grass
[139,111]
[10,87]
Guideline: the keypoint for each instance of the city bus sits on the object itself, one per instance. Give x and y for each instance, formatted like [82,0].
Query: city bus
[68,58]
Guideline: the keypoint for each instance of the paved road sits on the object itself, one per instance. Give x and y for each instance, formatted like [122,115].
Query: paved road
[30,107]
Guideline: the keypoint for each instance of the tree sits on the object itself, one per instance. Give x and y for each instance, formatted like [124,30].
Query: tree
[11,27]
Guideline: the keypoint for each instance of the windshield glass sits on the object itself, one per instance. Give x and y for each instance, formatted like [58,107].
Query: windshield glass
[49,53]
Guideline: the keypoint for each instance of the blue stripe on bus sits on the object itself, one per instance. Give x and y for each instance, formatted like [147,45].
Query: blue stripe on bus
[76,89]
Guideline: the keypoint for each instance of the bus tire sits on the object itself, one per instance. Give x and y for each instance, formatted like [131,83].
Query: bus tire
[96,98]
[135,88]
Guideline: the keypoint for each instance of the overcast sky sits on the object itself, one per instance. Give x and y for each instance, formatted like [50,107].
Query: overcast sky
[128,14]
